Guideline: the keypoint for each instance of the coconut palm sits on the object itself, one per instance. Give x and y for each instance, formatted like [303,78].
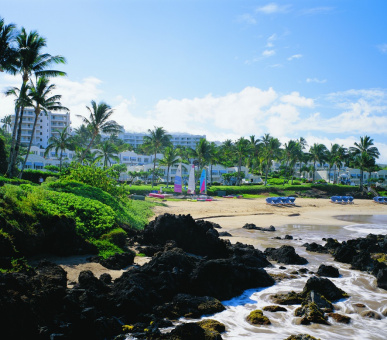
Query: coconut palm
[7,50]
[6,120]
[60,143]
[242,149]
[157,140]
[29,61]
[341,157]
[318,153]
[171,158]
[98,122]
[107,152]
[213,157]
[291,153]
[270,149]
[41,100]
[331,158]
[365,147]
[227,152]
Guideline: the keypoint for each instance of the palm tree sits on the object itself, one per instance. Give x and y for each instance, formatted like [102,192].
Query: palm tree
[291,154]
[98,122]
[365,147]
[29,61]
[341,157]
[41,100]
[213,157]
[331,159]
[270,148]
[62,142]
[317,154]
[227,151]
[184,153]
[7,51]
[253,160]
[107,151]
[242,149]
[157,140]
[170,158]
[7,120]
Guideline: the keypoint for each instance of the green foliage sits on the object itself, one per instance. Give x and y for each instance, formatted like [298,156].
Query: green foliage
[34,175]
[106,248]
[116,236]
[4,180]
[275,181]
[52,168]
[3,156]
[51,179]
[94,176]
[92,217]
[17,265]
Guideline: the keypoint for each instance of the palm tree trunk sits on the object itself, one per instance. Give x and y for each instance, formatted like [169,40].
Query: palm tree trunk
[60,160]
[314,170]
[361,179]
[87,148]
[167,176]
[266,171]
[29,146]
[13,141]
[17,145]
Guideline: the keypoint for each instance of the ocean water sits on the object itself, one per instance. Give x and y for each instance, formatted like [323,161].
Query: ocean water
[359,285]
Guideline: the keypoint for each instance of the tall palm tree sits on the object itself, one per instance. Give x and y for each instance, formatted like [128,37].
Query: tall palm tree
[227,151]
[201,153]
[291,154]
[213,157]
[157,140]
[331,156]
[170,158]
[365,147]
[62,142]
[41,100]
[270,148]
[252,160]
[242,149]
[29,61]
[98,122]
[317,154]
[341,157]
[6,120]
[184,152]
[7,50]
[107,151]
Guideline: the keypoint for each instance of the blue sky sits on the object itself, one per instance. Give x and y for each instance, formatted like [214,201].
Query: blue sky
[222,68]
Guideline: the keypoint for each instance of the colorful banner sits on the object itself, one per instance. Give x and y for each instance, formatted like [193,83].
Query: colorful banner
[178,182]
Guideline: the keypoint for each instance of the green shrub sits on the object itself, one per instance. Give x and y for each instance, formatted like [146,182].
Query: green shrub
[106,248]
[16,181]
[116,236]
[92,217]
[296,183]
[51,179]
[34,175]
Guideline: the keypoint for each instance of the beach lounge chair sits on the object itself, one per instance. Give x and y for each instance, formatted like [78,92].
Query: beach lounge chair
[345,199]
[292,200]
[269,200]
[384,200]
[339,199]
[350,199]
[334,199]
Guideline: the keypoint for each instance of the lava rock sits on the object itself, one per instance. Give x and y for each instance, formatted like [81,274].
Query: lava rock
[274,309]
[256,317]
[116,262]
[339,318]
[324,287]
[285,254]
[328,271]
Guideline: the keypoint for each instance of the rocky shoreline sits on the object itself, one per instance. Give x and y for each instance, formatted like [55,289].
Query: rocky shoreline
[190,272]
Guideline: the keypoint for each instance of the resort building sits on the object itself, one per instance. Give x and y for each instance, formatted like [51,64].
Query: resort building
[178,139]
[48,125]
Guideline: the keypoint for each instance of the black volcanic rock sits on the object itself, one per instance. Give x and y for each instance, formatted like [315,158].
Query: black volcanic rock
[252,226]
[285,255]
[345,253]
[328,271]
[116,261]
[317,248]
[324,287]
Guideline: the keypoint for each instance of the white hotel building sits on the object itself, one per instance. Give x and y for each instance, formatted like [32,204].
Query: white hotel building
[47,125]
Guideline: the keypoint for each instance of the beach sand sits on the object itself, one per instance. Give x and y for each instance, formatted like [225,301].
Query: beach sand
[232,214]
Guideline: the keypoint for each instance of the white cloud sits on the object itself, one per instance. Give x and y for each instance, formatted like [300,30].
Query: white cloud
[316,10]
[270,40]
[295,56]
[382,48]
[295,99]
[272,8]
[268,53]
[316,80]
[247,19]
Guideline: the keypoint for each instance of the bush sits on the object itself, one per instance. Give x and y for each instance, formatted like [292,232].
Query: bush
[296,183]
[34,175]
[15,181]
[106,248]
[116,236]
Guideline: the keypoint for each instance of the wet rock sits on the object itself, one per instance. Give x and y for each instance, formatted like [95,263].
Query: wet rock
[345,253]
[384,313]
[248,255]
[106,278]
[224,233]
[256,317]
[381,278]
[282,267]
[360,305]
[284,254]
[332,244]
[309,312]
[192,331]
[87,280]
[303,270]
[363,261]
[212,325]
[288,237]
[198,238]
[314,247]
[328,271]
[276,238]
[301,337]
[324,287]
[291,298]
[319,300]
[116,261]
[339,318]
[282,276]
[274,309]
[371,314]
[251,226]
[190,306]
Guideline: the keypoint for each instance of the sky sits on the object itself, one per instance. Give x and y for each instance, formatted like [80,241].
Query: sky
[223,68]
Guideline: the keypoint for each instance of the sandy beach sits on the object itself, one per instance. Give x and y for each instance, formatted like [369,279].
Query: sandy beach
[232,214]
